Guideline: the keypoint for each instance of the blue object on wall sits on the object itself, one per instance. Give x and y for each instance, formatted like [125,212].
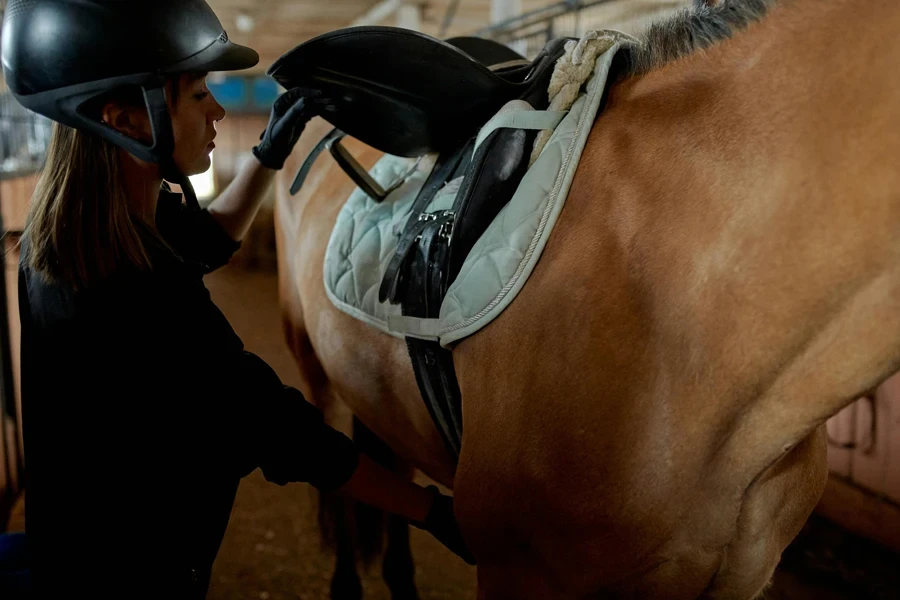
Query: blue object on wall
[265,91]
[231,93]
[246,94]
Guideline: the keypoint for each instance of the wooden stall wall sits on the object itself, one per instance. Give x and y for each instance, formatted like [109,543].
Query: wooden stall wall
[14,201]
[863,493]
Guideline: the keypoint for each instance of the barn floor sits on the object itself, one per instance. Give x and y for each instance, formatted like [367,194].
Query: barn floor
[271,552]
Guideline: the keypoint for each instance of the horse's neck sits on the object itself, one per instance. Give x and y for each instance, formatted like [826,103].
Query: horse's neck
[750,193]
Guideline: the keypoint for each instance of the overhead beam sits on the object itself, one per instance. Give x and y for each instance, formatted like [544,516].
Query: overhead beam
[379,12]
[409,16]
[502,10]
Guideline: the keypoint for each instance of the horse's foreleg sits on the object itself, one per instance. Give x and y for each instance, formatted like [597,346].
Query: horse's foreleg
[340,518]
[398,569]
[334,519]
[335,512]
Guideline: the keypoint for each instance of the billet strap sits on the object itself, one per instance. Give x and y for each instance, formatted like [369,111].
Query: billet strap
[445,166]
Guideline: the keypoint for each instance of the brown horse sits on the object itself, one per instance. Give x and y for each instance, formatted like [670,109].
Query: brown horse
[646,419]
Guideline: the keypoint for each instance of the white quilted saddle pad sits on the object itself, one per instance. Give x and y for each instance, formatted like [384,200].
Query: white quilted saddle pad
[366,232]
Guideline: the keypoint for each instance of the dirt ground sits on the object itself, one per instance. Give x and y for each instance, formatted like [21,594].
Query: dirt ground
[271,549]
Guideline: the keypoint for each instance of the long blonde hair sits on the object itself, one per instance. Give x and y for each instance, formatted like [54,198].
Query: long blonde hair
[80,229]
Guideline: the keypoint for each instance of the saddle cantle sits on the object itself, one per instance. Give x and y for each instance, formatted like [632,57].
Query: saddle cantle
[494,55]
[408,95]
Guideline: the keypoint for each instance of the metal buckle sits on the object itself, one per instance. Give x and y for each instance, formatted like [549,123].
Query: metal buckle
[446,229]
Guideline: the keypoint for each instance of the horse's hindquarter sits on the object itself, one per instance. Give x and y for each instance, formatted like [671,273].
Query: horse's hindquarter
[722,280]
[369,371]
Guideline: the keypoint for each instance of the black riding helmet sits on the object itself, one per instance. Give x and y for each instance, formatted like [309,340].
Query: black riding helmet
[58,55]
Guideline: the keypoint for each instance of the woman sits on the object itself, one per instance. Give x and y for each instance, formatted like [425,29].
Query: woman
[141,409]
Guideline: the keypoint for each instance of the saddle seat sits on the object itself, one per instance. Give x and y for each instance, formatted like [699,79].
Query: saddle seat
[403,92]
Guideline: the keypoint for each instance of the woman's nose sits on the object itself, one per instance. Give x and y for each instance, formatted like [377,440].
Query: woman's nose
[218,112]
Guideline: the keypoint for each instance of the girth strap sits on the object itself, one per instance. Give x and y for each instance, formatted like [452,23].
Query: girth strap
[433,365]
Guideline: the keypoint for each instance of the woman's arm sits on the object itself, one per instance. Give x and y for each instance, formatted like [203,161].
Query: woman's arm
[425,508]
[374,485]
[237,205]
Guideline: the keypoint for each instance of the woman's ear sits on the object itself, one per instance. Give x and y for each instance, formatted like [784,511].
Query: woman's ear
[129,121]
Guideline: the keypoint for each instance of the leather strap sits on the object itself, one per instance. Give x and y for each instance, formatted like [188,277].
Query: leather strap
[332,135]
[443,170]
[432,364]
[350,166]
[390,284]
[436,378]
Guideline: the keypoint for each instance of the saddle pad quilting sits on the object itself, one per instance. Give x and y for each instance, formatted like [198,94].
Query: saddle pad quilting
[365,234]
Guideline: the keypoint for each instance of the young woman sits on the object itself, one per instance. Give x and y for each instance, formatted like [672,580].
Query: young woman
[141,408]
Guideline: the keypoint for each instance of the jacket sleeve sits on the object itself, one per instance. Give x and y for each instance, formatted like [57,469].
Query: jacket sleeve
[232,410]
[292,443]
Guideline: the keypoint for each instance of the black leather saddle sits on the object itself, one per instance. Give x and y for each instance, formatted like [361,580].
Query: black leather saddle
[401,91]
[408,94]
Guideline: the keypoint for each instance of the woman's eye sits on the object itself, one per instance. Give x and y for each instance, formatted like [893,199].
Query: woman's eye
[201,95]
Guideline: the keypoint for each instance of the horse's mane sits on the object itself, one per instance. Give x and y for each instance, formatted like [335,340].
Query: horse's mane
[691,29]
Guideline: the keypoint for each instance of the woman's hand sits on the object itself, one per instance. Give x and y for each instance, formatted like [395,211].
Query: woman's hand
[441,523]
[290,114]
[425,508]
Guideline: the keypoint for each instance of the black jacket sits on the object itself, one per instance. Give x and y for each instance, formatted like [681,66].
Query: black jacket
[141,412]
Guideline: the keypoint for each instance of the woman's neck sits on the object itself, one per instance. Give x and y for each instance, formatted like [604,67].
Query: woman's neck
[142,183]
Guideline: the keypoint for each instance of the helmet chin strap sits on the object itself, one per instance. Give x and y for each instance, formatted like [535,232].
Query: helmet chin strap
[164,142]
[172,174]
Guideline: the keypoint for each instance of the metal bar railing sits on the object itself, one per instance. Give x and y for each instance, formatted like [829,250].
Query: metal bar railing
[510,28]
[529,32]
[24,137]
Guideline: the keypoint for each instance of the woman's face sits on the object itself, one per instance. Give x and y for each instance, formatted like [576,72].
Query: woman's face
[194,114]
[194,119]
